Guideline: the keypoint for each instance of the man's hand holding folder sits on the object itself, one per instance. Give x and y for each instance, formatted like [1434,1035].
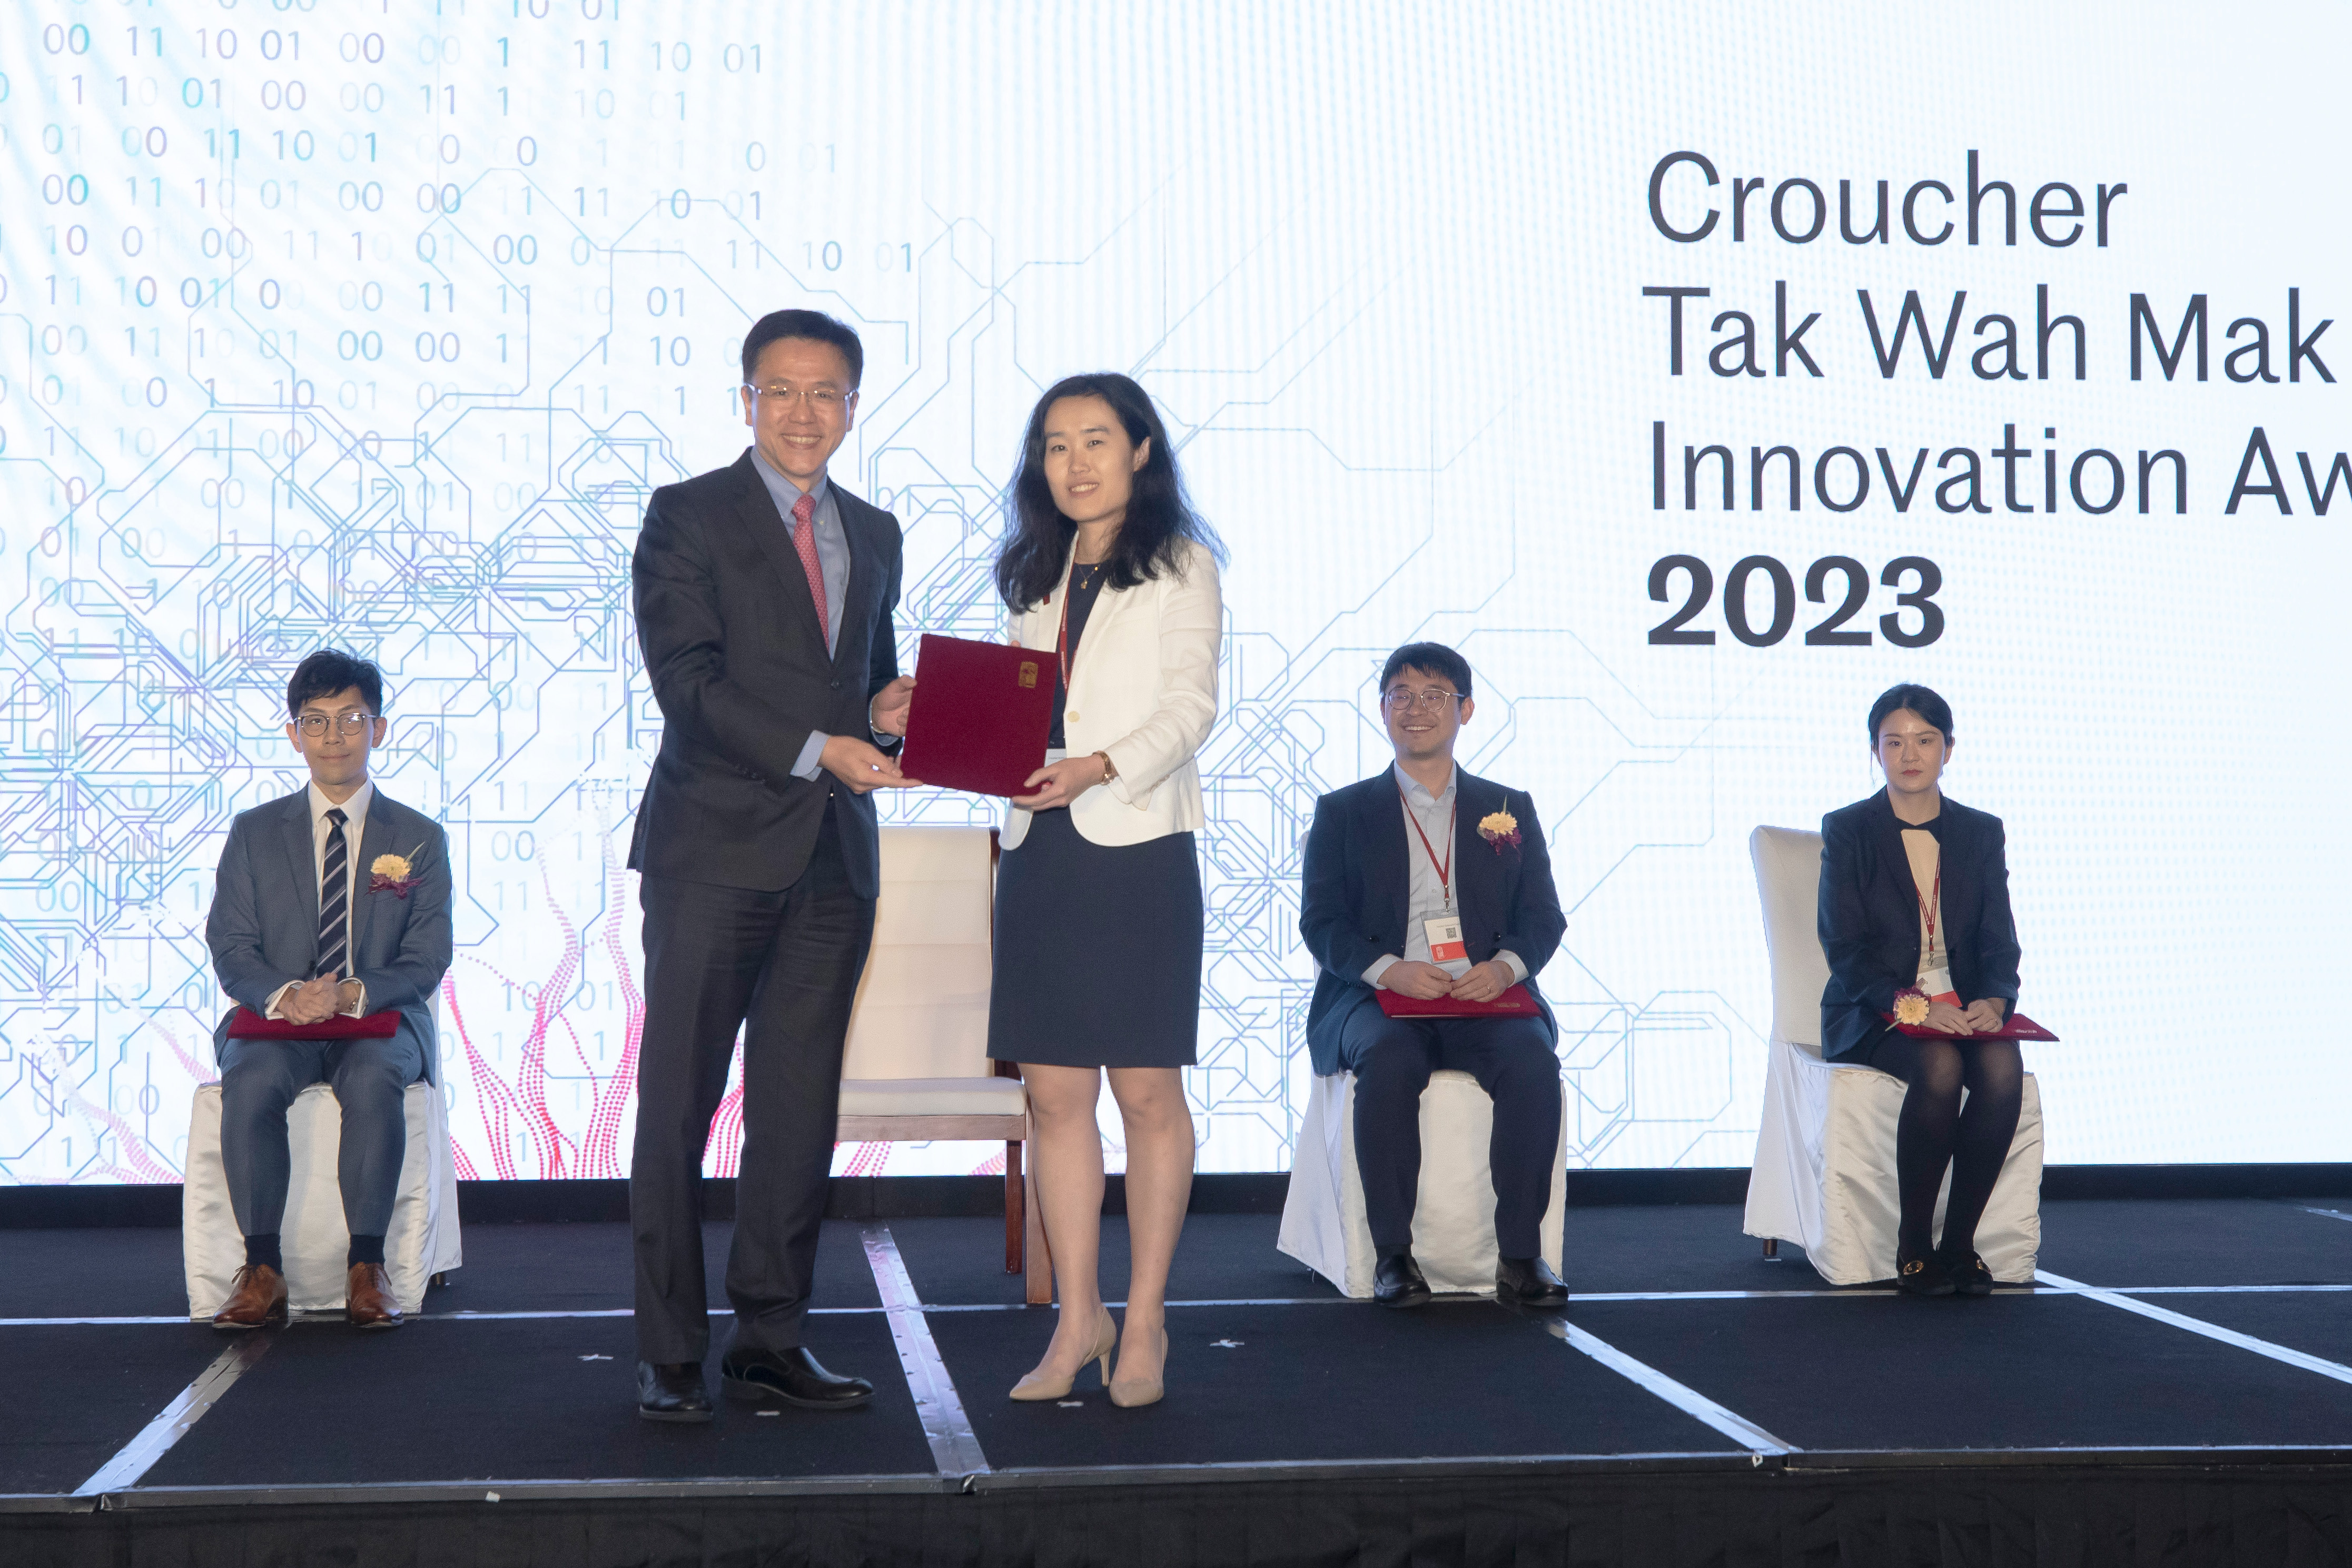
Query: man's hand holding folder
[858,762]
[1409,988]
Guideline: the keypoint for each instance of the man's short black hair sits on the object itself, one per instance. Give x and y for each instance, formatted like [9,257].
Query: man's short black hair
[1930,707]
[1435,658]
[813,325]
[329,671]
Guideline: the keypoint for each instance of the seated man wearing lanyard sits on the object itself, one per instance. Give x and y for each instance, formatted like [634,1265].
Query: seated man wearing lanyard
[1424,881]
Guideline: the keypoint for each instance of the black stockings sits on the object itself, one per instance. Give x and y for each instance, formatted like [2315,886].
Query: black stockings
[1935,1131]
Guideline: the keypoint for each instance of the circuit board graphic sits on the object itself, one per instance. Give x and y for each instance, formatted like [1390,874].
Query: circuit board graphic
[375,322]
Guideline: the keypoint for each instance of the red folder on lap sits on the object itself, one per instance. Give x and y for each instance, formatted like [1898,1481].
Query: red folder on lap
[981,715]
[1515,1002]
[2019,1027]
[251,1025]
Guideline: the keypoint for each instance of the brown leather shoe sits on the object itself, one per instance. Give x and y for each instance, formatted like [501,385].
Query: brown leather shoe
[256,1298]
[367,1299]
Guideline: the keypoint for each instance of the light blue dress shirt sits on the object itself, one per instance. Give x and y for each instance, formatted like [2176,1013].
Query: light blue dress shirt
[832,561]
[1425,893]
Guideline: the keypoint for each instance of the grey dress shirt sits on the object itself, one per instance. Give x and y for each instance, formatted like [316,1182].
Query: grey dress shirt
[1425,894]
[832,561]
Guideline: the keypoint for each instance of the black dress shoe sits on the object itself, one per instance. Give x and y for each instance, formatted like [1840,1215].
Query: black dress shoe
[672,1391]
[1922,1276]
[1398,1282]
[1969,1275]
[1528,1282]
[794,1377]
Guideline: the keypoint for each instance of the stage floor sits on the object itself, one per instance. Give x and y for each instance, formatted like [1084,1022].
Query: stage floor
[2157,1327]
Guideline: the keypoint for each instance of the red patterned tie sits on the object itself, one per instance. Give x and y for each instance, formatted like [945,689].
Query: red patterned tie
[804,541]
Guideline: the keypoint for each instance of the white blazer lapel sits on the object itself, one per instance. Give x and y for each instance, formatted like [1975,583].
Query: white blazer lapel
[1041,625]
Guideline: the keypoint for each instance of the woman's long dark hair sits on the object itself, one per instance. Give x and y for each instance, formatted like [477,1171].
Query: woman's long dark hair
[1160,518]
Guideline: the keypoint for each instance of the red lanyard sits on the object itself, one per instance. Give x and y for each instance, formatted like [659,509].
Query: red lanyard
[1928,909]
[1444,868]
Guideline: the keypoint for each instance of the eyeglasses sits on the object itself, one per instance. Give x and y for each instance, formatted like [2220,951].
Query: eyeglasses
[1402,701]
[820,400]
[351,725]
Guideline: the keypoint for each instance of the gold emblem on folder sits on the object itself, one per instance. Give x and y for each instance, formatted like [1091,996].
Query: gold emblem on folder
[1029,675]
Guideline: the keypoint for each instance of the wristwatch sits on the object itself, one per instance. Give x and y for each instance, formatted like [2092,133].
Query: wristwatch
[1110,768]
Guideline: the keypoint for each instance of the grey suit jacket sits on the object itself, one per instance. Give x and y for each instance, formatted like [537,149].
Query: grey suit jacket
[264,926]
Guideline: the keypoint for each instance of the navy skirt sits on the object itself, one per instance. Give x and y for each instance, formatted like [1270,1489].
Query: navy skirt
[1097,950]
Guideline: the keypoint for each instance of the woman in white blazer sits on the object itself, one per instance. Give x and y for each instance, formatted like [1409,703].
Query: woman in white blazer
[1098,909]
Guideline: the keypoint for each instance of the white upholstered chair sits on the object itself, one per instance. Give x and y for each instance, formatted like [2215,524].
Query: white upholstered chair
[1323,1223]
[423,1242]
[917,1067]
[1825,1175]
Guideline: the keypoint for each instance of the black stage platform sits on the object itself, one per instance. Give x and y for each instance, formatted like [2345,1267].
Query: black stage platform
[2175,1390]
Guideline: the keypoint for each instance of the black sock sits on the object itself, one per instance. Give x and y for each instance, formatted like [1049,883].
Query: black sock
[261,1252]
[365,1250]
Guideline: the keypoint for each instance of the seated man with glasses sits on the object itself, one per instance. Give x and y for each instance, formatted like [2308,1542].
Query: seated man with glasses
[333,900]
[1427,881]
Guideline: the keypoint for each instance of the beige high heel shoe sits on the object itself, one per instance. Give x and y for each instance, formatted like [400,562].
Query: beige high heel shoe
[1130,1392]
[1035,1389]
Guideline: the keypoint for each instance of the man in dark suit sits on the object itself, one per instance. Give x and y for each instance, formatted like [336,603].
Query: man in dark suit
[331,901]
[1427,881]
[763,595]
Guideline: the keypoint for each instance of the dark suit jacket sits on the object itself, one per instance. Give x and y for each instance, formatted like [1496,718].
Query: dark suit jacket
[264,926]
[1358,891]
[1870,915]
[738,664]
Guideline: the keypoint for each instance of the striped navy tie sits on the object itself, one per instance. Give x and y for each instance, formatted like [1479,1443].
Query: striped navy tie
[334,900]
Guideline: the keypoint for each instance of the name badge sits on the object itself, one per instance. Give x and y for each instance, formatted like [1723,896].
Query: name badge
[1445,943]
[1937,984]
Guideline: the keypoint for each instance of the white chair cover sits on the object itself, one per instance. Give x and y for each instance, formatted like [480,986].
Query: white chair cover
[422,1240]
[922,1010]
[1824,1173]
[918,1041]
[1323,1223]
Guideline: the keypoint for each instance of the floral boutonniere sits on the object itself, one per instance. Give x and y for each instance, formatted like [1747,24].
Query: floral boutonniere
[1499,828]
[392,874]
[1911,1006]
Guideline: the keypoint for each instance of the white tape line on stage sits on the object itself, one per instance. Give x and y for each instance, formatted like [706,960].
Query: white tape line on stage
[955,1448]
[1681,1395]
[2335,1370]
[137,1457]
[1850,1293]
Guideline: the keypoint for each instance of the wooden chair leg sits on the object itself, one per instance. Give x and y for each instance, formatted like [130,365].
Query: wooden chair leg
[1037,1259]
[1771,1246]
[1016,1218]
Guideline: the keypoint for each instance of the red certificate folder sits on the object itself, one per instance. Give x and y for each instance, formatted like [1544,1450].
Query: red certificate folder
[2019,1027]
[250,1025]
[1512,1003]
[981,716]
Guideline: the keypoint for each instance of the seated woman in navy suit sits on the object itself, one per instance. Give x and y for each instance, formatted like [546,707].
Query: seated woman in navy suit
[1914,898]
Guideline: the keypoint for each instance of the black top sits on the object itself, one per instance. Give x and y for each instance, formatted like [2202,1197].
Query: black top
[1869,918]
[1086,587]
